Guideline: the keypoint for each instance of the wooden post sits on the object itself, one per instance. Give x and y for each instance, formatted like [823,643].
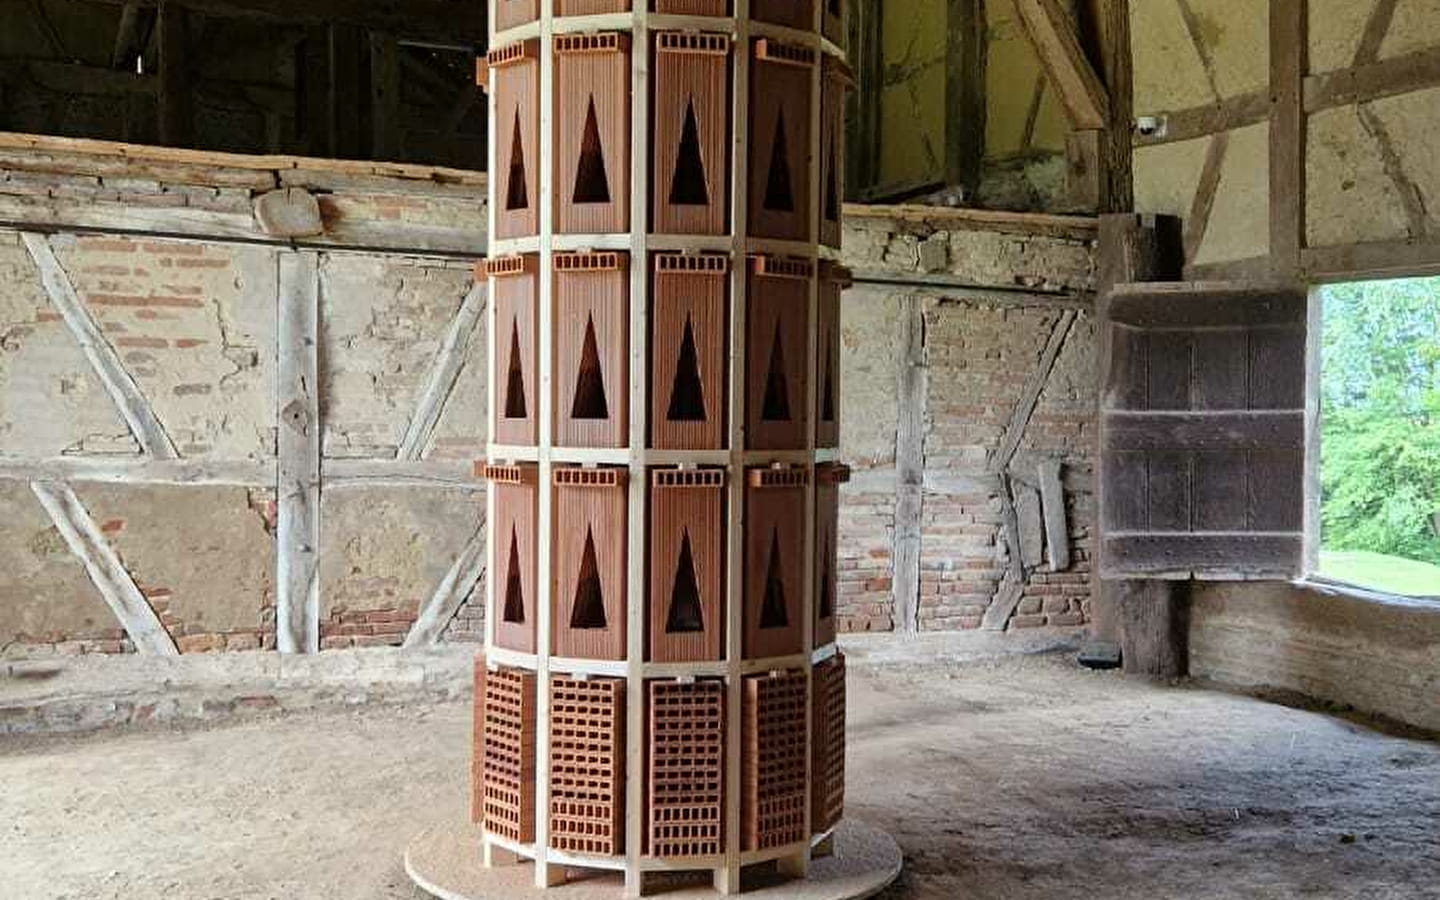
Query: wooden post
[384,97]
[297,532]
[1132,248]
[175,86]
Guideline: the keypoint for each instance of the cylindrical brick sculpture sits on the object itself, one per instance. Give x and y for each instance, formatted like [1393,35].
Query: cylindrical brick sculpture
[661,689]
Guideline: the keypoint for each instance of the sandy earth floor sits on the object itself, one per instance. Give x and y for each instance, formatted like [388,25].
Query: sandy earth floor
[1019,777]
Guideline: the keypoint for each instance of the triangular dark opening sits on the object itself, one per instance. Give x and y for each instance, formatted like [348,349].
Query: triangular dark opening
[516,195]
[827,390]
[592,185]
[514,588]
[685,615]
[687,394]
[779,196]
[588,613]
[590,402]
[776,406]
[832,190]
[827,583]
[772,611]
[515,405]
[687,184]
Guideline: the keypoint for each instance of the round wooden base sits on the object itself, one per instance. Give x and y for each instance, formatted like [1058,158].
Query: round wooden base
[445,861]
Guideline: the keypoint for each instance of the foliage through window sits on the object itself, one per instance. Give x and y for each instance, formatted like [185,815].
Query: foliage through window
[1380,435]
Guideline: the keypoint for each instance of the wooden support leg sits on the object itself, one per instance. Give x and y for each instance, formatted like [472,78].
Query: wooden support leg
[548,875]
[824,849]
[727,880]
[496,856]
[796,866]
[1154,627]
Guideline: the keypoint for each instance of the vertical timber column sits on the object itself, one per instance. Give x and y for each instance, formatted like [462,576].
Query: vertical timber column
[659,384]
[297,526]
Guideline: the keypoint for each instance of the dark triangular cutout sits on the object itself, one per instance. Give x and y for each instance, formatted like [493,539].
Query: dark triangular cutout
[827,390]
[779,197]
[832,190]
[590,402]
[588,613]
[827,584]
[772,611]
[515,405]
[685,616]
[592,185]
[776,407]
[687,394]
[516,195]
[514,588]
[687,184]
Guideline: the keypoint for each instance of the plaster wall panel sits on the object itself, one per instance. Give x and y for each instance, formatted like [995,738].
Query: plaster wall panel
[193,323]
[203,557]
[382,323]
[1335,29]
[383,552]
[463,427]
[912,94]
[871,320]
[42,368]
[50,603]
[1412,123]
[1416,26]
[1166,176]
[1349,196]
[1012,75]
[1169,73]
[1239,225]
[1236,34]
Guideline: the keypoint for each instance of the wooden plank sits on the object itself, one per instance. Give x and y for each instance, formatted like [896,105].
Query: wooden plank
[1052,501]
[1198,222]
[1351,262]
[1222,369]
[1376,27]
[384,96]
[104,361]
[1187,430]
[1084,170]
[1075,228]
[103,566]
[297,533]
[1155,643]
[1387,78]
[1219,480]
[1288,43]
[1125,501]
[444,372]
[1191,305]
[1265,555]
[1168,381]
[1117,63]
[964,93]
[912,396]
[1052,32]
[1030,522]
[1025,408]
[140,470]
[1168,487]
[177,87]
[1276,491]
[459,582]
[1193,122]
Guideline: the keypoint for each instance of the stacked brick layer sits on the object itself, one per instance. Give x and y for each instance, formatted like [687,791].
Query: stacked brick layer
[827,744]
[773,761]
[686,762]
[587,766]
[507,754]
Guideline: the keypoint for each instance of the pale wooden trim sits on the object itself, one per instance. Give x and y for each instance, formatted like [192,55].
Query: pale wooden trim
[1386,78]
[104,361]
[1314,339]
[443,374]
[911,393]
[1079,228]
[1288,44]
[1198,222]
[1052,33]
[1052,503]
[103,566]
[951,287]
[459,582]
[1389,259]
[337,473]
[140,470]
[297,533]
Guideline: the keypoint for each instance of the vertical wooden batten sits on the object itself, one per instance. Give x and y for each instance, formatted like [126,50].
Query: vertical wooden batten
[297,529]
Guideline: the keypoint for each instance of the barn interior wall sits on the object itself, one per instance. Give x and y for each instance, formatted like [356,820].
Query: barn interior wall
[1370,206]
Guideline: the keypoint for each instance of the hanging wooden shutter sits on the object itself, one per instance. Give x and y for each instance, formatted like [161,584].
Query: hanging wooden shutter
[1202,431]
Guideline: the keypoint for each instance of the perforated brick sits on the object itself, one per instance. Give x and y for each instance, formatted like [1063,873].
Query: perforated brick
[773,770]
[685,778]
[507,753]
[827,744]
[587,766]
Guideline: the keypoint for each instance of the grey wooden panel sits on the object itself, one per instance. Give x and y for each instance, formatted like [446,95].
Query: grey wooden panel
[1126,505]
[1190,306]
[1168,384]
[1218,557]
[1205,431]
[1169,485]
[1129,368]
[1221,369]
[1220,491]
[1276,494]
[1277,368]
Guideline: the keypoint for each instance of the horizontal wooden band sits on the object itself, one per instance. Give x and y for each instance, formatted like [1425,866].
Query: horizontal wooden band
[1267,430]
[1205,304]
[688,478]
[1268,555]
[578,477]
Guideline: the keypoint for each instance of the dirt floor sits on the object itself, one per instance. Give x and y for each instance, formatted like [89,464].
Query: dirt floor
[1001,776]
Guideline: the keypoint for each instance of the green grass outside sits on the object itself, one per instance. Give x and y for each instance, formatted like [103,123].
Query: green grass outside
[1392,574]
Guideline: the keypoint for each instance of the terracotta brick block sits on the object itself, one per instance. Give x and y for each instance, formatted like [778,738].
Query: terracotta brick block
[590,7]
[515,81]
[514,289]
[775,711]
[587,604]
[685,769]
[827,744]
[777,368]
[510,13]
[780,104]
[836,80]
[690,156]
[587,766]
[592,339]
[774,555]
[506,735]
[687,565]
[688,385]
[828,479]
[790,13]
[592,133]
[693,7]
[834,280]
[513,549]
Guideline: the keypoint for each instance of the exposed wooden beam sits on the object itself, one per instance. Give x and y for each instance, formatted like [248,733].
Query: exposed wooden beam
[912,388]
[1198,222]
[1288,41]
[1397,75]
[176,85]
[965,93]
[1052,32]
[1376,27]
[297,533]
[459,582]
[1209,118]
[127,36]
[451,21]
[444,372]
